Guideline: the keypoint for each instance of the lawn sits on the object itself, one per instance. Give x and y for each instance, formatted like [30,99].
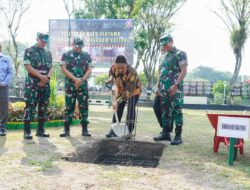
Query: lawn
[37,164]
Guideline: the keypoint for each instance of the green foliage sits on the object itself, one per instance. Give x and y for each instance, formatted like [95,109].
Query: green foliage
[113,9]
[218,98]
[141,40]
[218,88]
[101,79]
[236,17]
[60,101]
[152,20]
[55,112]
[144,81]
[238,38]
[9,50]
[53,90]
[237,100]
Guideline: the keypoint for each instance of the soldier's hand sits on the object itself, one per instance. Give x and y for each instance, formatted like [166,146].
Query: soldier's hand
[173,90]
[44,79]
[78,82]
[41,84]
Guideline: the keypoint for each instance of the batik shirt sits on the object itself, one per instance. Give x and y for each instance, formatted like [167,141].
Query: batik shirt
[127,84]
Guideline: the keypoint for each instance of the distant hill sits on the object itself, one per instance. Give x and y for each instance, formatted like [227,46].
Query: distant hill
[202,73]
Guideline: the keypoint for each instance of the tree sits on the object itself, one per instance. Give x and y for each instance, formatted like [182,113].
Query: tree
[101,79]
[12,12]
[143,79]
[236,17]
[112,9]
[69,6]
[153,22]
[220,90]
[219,87]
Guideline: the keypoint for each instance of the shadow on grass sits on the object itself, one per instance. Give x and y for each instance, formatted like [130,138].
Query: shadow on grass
[41,156]
[196,162]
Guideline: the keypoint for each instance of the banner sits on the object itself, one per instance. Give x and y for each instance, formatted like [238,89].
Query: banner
[104,39]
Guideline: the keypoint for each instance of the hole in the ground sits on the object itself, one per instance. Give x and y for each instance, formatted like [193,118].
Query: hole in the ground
[118,152]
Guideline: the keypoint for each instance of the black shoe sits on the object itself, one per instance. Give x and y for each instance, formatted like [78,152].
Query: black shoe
[163,137]
[177,140]
[65,134]
[27,136]
[2,131]
[41,134]
[85,132]
[110,134]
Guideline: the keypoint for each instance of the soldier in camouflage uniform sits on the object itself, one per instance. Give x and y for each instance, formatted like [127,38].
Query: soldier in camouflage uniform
[38,63]
[172,71]
[77,67]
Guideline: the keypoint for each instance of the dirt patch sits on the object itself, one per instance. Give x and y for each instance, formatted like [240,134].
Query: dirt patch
[118,152]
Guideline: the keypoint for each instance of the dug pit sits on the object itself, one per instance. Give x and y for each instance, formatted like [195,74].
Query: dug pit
[118,152]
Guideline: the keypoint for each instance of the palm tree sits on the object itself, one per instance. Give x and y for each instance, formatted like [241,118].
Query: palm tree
[236,17]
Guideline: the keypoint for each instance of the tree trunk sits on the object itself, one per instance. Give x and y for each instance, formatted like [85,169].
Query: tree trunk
[149,87]
[238,58]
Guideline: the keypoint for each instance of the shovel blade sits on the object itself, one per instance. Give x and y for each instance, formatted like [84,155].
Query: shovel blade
[120,129]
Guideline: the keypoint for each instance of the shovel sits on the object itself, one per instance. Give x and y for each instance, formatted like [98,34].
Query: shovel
[120,129]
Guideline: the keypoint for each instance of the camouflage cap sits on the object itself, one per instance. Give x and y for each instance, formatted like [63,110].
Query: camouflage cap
[78,42]
[43,36]
[165,39]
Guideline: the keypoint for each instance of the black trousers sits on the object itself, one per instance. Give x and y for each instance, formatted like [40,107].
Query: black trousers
[4,104]
[132,101]
[157,109]
[158,112]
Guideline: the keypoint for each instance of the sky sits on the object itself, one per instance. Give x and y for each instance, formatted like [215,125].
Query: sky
[197,31]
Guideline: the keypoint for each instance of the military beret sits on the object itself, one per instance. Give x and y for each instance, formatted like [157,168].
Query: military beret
[43,36]
[78,42]
[165,39]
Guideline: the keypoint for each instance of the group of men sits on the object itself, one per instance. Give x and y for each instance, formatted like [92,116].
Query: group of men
[76,65]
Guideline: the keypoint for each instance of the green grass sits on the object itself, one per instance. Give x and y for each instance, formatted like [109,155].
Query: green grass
[37,164]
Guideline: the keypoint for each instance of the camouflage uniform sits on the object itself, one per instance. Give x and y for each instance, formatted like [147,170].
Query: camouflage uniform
[169,72]
[171,106]
[41,60]
[77,64]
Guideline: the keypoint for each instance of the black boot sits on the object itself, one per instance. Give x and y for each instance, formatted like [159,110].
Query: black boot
[85,131]
[66,131]
[2,131]
[177,139]
[164,136]
[110,134]
[131,128]
[40,132]
[27,133]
